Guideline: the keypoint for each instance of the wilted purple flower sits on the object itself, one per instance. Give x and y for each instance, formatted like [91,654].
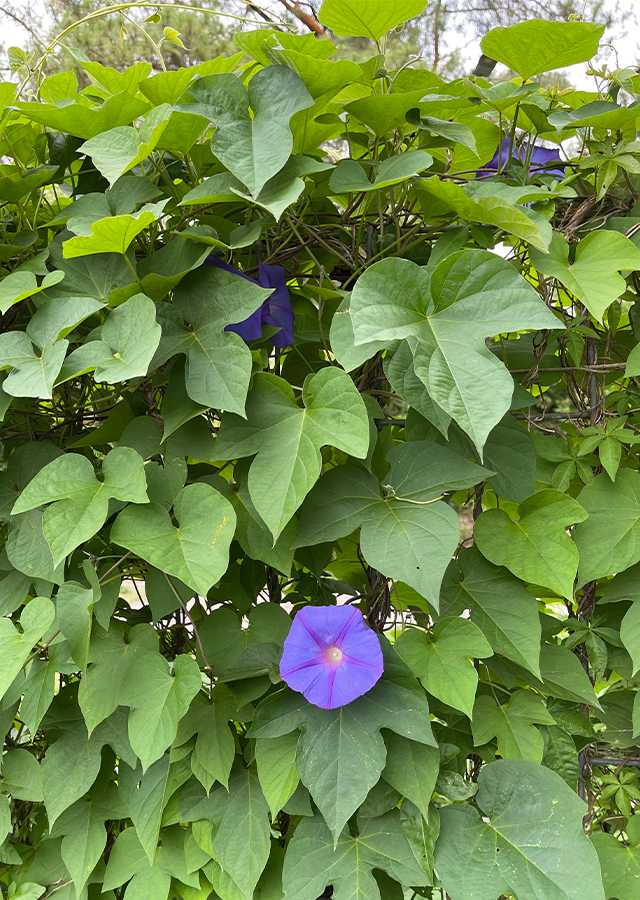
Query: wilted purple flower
[331,656]
[540,159]
[276,309]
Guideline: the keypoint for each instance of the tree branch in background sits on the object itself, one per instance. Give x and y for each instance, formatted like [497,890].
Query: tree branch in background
[307,19]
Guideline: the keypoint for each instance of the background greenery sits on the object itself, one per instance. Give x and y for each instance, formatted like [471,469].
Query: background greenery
[450,444]
[444,36]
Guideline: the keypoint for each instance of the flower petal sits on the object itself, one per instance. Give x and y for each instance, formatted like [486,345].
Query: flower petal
[540,158]
[305,666]
[276,310]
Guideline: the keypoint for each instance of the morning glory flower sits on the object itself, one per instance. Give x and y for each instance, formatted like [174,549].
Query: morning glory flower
[276,309]
[331,656]
[541,157]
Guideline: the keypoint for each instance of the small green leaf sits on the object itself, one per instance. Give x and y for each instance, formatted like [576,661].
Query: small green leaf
[15,646]
[350,176]
[74,604]
[84,839]
[131,336]
[31,375]
[276,762]
[240,843]
[80,503]
[19,285]
[118,150]
[593,277]
[144,798]
[22,775]
[287,439]
[607,540]
[197,552]
[113,234]
[513,724]
[412,769]
[219,365]
[630,634]
[70,767]
[537,547]
[620,866]
[442,661]
[500,606]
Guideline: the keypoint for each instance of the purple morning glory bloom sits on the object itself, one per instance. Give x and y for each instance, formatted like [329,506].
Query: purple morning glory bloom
[276,309]
[541,157]
[331,655]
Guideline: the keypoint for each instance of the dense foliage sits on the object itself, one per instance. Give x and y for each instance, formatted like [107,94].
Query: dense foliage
[282,332]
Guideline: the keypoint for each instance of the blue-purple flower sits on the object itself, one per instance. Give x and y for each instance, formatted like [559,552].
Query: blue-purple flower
[540,159]
[275,311]
[331,656]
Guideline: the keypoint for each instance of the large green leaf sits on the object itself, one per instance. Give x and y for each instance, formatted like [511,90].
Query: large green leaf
[197,552]
[609,540]
[593,277]
[314,860]
[442,660]
[79,502]
[350,18]
[341,753]
[620,866]
[512,724]
[500,606]
[252,137]
[15,646]
[287,438]
[529,843]
[537,547]
[446,316]
[408,534]
[538,45]
[218,364]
